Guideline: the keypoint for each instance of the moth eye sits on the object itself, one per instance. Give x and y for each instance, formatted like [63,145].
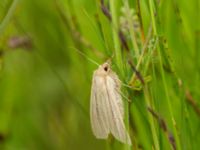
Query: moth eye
[106,69]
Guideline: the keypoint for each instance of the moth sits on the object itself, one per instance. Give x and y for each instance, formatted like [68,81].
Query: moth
[106,105]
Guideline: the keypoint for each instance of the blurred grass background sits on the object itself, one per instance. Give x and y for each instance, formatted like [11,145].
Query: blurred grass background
[45,83]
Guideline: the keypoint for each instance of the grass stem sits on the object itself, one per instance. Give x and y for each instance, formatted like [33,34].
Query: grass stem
[8,15]
[118,54]
[151,4]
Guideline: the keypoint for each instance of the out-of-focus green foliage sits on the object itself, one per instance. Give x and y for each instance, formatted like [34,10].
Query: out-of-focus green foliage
[45,81]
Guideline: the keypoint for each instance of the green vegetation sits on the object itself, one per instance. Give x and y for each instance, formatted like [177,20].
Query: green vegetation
[45,82]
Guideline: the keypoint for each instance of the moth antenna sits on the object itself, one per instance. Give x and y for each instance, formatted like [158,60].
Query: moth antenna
[91,60]
[109,60]
[112,56]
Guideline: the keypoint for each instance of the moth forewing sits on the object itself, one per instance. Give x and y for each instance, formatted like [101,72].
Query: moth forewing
[99,123]
[117,89]
[116,105]
[106,106]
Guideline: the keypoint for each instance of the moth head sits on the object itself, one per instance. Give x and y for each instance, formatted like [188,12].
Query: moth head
[103,69]
[106,67]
